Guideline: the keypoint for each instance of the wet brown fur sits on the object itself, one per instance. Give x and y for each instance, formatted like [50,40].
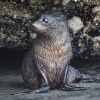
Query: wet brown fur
[50,53]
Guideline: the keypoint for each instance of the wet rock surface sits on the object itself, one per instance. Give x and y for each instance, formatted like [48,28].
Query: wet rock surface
[12,82]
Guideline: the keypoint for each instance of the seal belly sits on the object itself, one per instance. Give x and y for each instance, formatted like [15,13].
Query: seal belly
[53,70]
[52,61]
[54,74]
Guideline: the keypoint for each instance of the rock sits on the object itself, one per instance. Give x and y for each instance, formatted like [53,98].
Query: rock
[65,2]
[83,17]
[96,9]
[75,24]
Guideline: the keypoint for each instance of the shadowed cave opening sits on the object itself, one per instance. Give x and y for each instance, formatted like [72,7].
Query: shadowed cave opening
[12,60]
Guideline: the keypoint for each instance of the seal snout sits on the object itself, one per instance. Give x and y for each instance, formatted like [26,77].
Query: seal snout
[38,26]
[33,24]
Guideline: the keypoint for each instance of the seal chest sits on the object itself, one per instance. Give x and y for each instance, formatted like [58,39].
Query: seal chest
[52,60]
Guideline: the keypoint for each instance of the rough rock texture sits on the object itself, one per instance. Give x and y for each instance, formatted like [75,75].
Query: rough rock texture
[16,31]
[73,22]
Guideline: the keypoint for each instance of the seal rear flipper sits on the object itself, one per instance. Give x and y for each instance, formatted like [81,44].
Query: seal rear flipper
[88,79]
[74,75]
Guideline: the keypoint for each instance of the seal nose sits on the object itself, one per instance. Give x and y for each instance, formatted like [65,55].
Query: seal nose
[33,24]
[38,26]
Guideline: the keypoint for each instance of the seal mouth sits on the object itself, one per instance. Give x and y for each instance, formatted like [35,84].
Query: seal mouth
[35,27]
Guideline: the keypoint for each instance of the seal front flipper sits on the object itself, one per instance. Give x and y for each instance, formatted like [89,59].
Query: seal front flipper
[45,87]
[72,88]
[71,75]
[40,90]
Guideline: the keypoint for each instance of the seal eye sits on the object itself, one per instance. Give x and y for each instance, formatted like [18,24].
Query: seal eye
[45,20]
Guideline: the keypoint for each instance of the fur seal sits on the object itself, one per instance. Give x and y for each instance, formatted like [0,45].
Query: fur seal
[46,65]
